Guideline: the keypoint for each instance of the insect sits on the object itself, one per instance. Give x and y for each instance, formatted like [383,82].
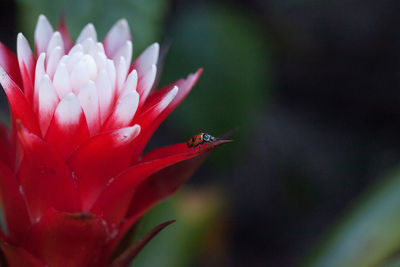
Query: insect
[200,139]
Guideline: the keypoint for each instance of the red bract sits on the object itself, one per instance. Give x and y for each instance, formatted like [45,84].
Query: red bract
[73,179]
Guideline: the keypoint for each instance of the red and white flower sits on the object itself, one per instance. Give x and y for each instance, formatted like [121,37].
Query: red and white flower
[73,179]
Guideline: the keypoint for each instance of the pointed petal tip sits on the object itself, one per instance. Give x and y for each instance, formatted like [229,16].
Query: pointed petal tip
[46,78]
[228,134]
[20,36]
[122,25]
[133,73]
[91,27]
[123,22]
[212,145]
[175,90]
[130,133]
[22,45]
[156,47]
[133,130]
[169,97]
[43,33]
[42,17]
[70,96]
[147,58]
[43,22]
[89,31]
[222,141]
[69,109]
[197,73]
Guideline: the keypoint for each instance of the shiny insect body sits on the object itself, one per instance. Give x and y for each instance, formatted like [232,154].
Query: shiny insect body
[200,139]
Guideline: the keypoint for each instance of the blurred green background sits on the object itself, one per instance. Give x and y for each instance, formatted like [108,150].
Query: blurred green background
[313,87]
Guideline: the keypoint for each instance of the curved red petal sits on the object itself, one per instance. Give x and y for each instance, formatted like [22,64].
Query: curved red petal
[147,117]
[20,108]
[99,159]
[184,85]
[4,145]
[45,179]
[165,182]
[28,84]
[68,239]
[63,30]
[114,201]
[14,207]
[129,254]
[9,62]
[17,257]
[65,135]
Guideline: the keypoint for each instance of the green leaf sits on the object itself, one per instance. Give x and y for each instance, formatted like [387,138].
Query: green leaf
[370,234]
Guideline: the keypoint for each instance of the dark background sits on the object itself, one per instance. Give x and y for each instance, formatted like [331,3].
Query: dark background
[313,87]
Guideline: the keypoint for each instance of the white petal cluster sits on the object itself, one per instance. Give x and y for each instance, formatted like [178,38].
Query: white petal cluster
[97,79]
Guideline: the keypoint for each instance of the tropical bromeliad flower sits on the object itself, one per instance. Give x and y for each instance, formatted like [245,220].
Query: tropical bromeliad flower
[73,179]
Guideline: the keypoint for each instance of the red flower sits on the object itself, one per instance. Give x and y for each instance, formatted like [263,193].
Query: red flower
[72,176]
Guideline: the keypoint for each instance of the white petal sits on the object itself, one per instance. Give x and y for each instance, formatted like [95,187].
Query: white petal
[61,81]
[39,72]
[158,107]
[91,66]
[73,60]
[48,101]
[130,84]
[167,99]
[148,58]
[100,60]
[55,41]
[76,48]
[64,59]
[68,110]
[88,44]
[79,77]
[43,33]
[127,134]
[122,71]
[24,54]
[90,105]
[126,52]
[53,60]
[100,48]
[125,110]
[105,94]
[112,73]
[93,49]
[87,32]
[146,83]
[116,37]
